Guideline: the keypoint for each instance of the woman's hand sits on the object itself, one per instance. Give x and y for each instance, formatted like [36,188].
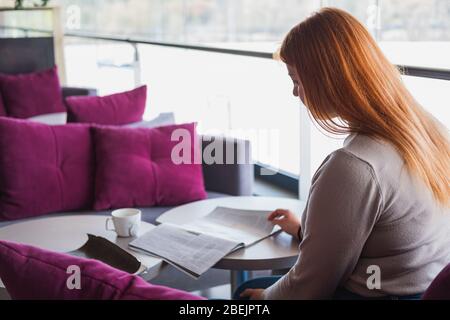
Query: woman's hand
[253,294]
[287,220]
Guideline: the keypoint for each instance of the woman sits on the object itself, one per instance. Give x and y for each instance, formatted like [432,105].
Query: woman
[376,224]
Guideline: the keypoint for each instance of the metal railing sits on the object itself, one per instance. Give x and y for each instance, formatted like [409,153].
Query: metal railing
[412,71]
[407,70]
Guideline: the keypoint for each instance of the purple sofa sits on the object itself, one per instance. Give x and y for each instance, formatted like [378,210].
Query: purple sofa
[220,179]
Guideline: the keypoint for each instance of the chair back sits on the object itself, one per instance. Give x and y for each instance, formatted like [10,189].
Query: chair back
[26,55]
[440,287]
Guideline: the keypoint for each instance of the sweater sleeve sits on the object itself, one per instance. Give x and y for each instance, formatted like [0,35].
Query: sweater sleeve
[343,206]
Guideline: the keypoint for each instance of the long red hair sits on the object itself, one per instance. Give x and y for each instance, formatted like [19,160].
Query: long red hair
[345,73]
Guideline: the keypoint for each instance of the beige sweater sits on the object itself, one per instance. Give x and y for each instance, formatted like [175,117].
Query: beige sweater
[365,209]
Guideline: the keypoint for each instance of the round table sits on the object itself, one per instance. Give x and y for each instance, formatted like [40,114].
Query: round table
[68,233]
[274,253]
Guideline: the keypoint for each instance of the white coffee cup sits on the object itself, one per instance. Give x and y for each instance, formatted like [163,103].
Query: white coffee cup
[126,222]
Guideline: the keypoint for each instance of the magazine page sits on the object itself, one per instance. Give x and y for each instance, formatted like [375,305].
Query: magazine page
[194,253]
[242,226]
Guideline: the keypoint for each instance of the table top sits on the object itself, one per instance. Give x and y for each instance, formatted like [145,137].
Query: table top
[277,252]
[68,233]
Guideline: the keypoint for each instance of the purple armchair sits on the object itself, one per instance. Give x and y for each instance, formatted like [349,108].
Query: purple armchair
[70,91]
[440,287]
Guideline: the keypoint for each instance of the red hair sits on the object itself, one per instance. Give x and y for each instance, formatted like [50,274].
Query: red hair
[345,73]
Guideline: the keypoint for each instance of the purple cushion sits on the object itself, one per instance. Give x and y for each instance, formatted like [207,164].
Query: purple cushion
[134,168]
[117,109]
[2,107]
[33,94]
[440,287]
[32,273]
[44,169]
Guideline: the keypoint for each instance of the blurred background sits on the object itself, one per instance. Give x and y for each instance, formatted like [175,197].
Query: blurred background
[238,89]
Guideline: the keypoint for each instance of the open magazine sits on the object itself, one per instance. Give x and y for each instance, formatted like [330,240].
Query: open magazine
[197,246]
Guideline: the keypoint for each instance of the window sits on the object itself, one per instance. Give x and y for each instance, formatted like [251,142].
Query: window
[239,96]
[190,21]
[231,93]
